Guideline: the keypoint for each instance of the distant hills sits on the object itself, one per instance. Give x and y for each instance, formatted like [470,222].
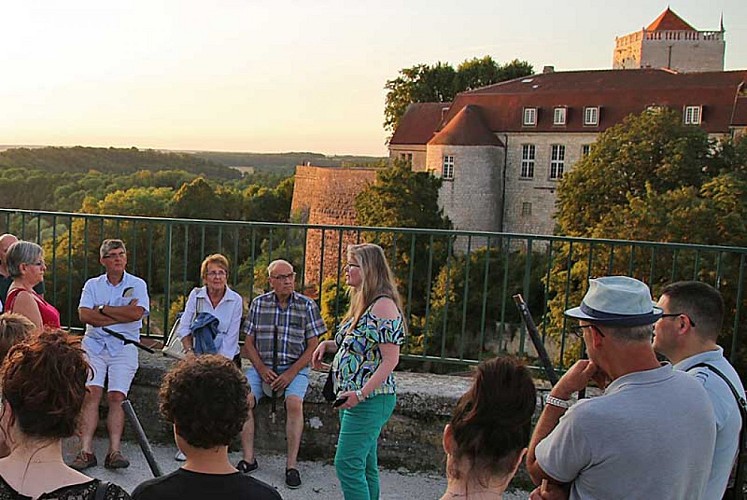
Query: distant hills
[212,164]
[285,162]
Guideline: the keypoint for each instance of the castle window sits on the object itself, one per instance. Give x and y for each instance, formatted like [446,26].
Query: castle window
[585,150]
[559,116]
[447,171]
[557,161]
[591,115]
[692,115]
[530,117]
[526,208]
[527,161]
[406,157]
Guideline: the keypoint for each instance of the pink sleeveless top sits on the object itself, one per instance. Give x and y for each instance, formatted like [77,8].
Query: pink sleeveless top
[49,314]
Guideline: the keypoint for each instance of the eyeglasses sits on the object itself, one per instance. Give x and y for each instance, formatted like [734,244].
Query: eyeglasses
[349,265]
[676,315]
[578,330]
[118,255]
[40,263]
[283,277]
[217,274]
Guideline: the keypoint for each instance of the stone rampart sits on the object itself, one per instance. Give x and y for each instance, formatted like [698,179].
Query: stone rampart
[326,196]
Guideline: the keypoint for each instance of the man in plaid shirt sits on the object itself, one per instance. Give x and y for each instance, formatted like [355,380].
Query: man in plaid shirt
[299,324]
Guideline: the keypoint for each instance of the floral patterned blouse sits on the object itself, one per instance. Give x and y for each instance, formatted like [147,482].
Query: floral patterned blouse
[358,355]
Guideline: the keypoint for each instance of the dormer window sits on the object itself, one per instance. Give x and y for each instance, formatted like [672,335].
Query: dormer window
[693,115]
[591,115]
[530,117]
[558,117]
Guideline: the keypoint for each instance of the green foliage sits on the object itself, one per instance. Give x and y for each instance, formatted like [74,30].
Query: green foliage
[651,178]
[111,160]
[402,198]
[334,303]
[441,83]
[457,301]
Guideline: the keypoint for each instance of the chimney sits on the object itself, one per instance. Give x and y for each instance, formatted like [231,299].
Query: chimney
[548,69]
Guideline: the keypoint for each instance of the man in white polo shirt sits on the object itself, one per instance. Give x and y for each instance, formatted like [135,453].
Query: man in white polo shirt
[118,301]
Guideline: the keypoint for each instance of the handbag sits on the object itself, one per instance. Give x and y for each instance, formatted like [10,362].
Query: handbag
[173,348]
[329,387]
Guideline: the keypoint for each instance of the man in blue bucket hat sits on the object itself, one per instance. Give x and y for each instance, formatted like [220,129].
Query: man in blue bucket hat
[652,432]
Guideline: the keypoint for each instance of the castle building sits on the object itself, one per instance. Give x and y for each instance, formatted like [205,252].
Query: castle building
[670,42]
[502,149]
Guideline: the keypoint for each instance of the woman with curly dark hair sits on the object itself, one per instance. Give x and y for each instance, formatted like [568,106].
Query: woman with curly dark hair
[489,430]
[44,383]
[205,399]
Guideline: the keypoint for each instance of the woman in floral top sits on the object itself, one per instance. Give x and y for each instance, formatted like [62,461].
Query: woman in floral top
[367,344]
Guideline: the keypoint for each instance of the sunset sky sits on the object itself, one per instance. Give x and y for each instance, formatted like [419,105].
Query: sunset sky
[283,75]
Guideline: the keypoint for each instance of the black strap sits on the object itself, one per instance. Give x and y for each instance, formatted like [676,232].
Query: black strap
[742,404]
[101,490]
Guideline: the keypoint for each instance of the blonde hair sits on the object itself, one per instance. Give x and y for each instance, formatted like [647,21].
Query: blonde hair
[376,279]
[14,328]
[218,259]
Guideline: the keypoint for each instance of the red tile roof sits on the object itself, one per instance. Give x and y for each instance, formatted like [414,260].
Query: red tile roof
[419,122]
[466,129]
[668,20]
[618,93]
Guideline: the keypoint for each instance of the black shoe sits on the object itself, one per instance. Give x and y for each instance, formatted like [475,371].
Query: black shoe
[246,467]
[292,478]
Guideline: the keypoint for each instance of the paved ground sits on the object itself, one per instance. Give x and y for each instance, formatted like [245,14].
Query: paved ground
[319,480]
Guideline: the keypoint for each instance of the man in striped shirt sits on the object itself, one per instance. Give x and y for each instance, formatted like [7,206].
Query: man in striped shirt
[282,331]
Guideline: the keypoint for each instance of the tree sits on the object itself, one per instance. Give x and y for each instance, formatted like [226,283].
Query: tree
[486,280]
[441,83]
[651,178]
[402,198]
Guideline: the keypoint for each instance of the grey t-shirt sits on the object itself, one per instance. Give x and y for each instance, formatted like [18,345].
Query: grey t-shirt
[651,435]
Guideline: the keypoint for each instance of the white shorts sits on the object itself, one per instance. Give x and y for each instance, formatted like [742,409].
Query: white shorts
[119,369]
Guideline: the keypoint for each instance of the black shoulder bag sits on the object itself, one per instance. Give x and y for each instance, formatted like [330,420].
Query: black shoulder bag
[736,490]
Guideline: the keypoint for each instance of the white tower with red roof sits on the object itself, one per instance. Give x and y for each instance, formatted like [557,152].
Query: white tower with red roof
[670,42]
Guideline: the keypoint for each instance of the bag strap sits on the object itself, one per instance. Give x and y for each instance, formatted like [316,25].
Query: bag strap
[742,404]
[101,488]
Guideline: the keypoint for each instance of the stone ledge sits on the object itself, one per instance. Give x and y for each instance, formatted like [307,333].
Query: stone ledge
[410,440]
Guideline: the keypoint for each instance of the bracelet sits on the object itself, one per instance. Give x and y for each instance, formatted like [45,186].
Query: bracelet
[359,395]
[189,349]
[560,403]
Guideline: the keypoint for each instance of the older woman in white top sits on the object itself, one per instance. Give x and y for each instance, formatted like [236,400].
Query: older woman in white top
[219,300]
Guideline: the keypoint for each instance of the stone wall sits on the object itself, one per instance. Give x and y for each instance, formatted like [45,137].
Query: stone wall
[418,153]
[472,199]
[538,191]
[411,439]
[686,56]
[326,196]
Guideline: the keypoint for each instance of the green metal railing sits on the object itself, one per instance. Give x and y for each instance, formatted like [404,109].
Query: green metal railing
[456,285]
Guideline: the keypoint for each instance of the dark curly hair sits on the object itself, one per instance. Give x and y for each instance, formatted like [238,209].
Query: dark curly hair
[44,381]
[206,398]
[491,423]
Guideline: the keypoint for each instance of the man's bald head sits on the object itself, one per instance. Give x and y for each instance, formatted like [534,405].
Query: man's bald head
[6,240]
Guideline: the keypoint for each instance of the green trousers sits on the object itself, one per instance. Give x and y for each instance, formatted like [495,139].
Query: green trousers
[355,461]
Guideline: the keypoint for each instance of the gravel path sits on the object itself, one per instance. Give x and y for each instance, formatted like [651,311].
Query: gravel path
[319,480]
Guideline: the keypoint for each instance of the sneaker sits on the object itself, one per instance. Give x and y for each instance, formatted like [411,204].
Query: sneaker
[292,478]
[180,457]
[83,460]
[246,467]
[115,460]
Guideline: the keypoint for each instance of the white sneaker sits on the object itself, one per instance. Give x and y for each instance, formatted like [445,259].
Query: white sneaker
[180,457]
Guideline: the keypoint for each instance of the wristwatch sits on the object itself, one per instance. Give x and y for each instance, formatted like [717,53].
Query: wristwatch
[359,395]
[101,309]
[560,403]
